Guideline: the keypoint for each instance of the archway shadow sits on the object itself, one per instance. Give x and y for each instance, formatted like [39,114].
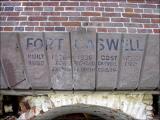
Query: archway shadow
[100,111]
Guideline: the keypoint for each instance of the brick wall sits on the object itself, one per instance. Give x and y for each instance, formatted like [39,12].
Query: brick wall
[128,16]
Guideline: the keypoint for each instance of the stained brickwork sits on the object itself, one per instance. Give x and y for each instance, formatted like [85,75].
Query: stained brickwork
[127,16]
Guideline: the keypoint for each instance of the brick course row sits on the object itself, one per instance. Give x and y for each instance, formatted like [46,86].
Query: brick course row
[128,16]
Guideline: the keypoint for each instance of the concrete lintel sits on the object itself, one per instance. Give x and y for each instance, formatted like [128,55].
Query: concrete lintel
[46,92]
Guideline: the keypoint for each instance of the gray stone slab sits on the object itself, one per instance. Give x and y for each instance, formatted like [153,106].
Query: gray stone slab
[12,62]
[33,49]
[108,58]
[131,60]
[150,75]
[3,84]
[58,50]
[84,59]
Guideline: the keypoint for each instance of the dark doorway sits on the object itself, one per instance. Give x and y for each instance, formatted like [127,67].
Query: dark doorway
[79,116]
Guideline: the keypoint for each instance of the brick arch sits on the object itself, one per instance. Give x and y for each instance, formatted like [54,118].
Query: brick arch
[102,112]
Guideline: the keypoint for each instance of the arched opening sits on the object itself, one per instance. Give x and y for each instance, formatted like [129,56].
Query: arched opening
[79,116]
[103,113]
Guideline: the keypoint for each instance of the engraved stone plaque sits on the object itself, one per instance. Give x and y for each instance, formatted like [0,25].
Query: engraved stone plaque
[58,50]
[131,60]
[33,48]
[150,72]
[108,57]
[12,61]
[83,59]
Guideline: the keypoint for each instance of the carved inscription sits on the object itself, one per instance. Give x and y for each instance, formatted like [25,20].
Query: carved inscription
[108,57]
[35,60]
[58,50]
[80,61]
[83,59]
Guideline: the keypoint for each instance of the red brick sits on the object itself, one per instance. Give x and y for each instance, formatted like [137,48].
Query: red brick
[112,29]
[144,30]
[58,18]
[37,18]
[153,1]
[129,10]
[9,13]
[78,19]
[17,19]
[50,13]
[99,19]
[122,29]
[150,25]
[120,19]
[8,3]
[8,28]
[133,15]
[109,9]
[156,30]
[112,0]
[50,24]
[39,28]
[28,9]
[111,14]
[49,28]
[70,8]
[69,29]
[136,1]
[147,6]
[1,28]
[50,3]
[59,28]
[89,8]
[101,29]
[89,4]
[133,25]
[131,5]
[3,18]
[59,8]
[138,10]
[71,24]
[137,20]
[155,20]
[38,8]
[69,4]
[109,4]
[150,16]
[31,13]
[29,28]
[90,14]
[29,23]
[32,3]
[70,14]
[15,23]
[99,9]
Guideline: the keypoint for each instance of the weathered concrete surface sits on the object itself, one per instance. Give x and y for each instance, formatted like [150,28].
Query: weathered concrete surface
[80,61]
[137,106]
[33,50]
[131,60]
[83,48]
[12,63]
[151,70]
[108,60]
[58,51]
[3,84]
